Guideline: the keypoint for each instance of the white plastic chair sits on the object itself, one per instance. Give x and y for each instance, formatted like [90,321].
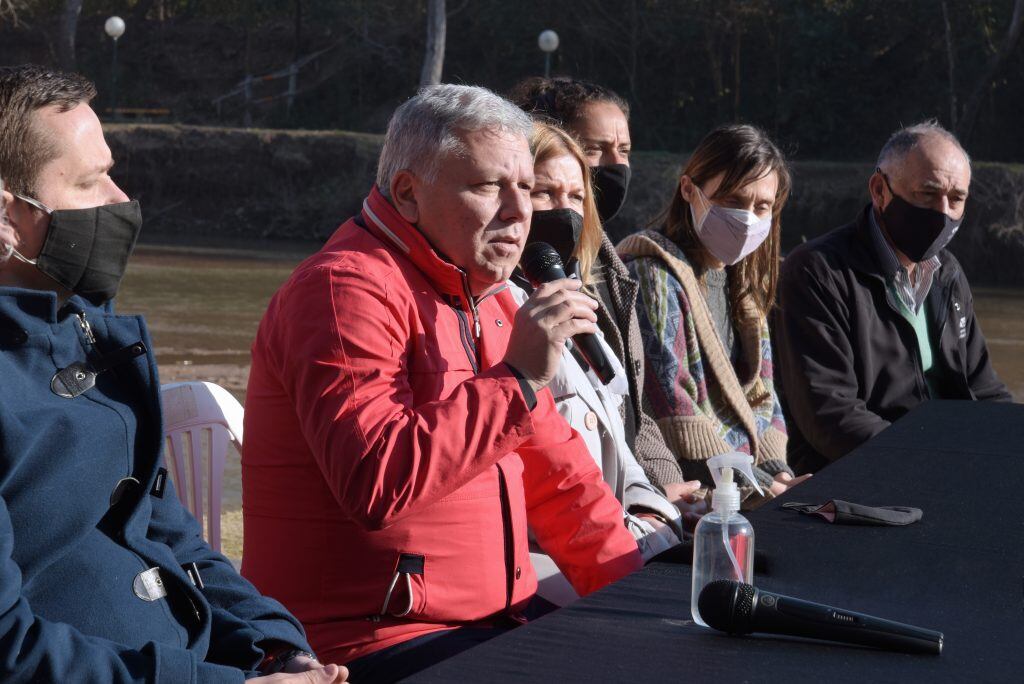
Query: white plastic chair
[201,420]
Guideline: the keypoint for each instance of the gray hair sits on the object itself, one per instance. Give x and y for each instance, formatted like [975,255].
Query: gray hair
[900,143]
[428,126]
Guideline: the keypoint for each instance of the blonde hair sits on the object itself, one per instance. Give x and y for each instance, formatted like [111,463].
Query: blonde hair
[548,142]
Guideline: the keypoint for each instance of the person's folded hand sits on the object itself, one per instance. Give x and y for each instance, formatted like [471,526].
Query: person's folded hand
[682,492]
[685,497]
[314,674]
[784,482]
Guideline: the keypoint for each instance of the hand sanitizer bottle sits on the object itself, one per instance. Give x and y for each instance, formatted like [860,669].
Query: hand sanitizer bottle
[723,541]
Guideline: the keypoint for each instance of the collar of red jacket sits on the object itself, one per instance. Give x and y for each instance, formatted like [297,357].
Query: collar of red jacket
[384,221]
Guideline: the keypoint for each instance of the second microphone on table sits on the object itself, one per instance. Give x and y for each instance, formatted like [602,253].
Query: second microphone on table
[739,608]
[541,264]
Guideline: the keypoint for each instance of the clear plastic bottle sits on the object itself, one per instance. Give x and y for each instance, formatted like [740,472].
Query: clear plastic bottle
[723,541]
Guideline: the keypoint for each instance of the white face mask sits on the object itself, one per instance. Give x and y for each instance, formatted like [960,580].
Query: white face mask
[729,234]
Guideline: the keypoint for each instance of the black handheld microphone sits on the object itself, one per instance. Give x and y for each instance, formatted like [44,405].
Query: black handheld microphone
[541,264]
[738,608]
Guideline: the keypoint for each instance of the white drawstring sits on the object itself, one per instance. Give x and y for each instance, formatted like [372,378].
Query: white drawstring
[391,588]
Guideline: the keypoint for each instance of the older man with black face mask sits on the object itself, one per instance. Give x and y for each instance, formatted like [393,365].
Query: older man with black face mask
[104,576]
[399,432]
[877,316]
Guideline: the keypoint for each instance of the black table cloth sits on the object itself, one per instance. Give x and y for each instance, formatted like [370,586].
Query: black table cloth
[959,570]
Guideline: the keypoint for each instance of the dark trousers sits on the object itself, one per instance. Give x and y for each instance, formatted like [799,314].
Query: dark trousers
[409,657]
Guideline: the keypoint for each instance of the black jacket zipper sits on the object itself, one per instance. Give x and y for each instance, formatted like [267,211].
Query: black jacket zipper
[506,523]
[472,305]
[954,348]
[467,339]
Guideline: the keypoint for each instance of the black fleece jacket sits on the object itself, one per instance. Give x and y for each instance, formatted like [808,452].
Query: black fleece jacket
[848,360]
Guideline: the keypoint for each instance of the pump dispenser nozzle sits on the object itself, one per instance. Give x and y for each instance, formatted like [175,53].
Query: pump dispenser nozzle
[726,496]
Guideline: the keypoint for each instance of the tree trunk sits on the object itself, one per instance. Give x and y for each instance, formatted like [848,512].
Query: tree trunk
[298,30]
[995,65]
[949,63]
[715,64]
[433,61]
[634,49]
[778,37]
[736,45]
[9,11]
[66,35]
[142,9]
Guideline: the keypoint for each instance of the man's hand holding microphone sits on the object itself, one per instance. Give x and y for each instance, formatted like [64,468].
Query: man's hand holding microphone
[556,311]
[544,323]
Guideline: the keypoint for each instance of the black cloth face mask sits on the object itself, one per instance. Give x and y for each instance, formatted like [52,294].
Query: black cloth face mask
[611,183]
[841,512]
[87,250]
[560,228]
[918,232]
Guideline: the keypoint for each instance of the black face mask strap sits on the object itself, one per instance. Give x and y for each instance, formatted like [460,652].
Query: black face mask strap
[885,179]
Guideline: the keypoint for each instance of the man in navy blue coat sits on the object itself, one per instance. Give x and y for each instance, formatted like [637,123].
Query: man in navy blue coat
[104,576]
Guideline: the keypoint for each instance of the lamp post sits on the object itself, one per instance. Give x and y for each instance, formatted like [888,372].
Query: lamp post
[548,43]
[114,28]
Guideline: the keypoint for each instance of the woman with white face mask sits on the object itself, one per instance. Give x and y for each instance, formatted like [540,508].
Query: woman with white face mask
[707,280]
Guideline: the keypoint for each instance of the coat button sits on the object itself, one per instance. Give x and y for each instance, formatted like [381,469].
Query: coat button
[590,420]
[498,322]
[519,572]
[149,586]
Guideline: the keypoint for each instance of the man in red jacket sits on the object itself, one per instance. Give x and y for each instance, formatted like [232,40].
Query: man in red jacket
[399,439]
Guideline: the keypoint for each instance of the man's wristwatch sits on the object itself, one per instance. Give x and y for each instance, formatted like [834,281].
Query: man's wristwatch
[275,663]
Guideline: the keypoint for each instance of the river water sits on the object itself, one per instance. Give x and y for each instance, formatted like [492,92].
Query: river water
[203,308]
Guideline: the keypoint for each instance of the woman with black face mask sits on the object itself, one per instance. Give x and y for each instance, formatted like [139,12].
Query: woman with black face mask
[599,120]
[565,217]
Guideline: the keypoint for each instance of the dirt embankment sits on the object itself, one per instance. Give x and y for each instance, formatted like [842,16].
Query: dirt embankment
[202,185]
[224,186]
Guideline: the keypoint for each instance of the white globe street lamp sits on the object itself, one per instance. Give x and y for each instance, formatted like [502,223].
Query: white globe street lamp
[114,28]
[547,41]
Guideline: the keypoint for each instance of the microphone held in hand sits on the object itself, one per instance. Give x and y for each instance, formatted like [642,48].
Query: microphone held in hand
[739,608]
[541,264]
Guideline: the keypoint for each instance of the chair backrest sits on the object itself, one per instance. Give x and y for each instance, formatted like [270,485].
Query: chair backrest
[201,420]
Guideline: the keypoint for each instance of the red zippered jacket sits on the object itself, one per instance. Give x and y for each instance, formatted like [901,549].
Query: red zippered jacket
[391,462]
